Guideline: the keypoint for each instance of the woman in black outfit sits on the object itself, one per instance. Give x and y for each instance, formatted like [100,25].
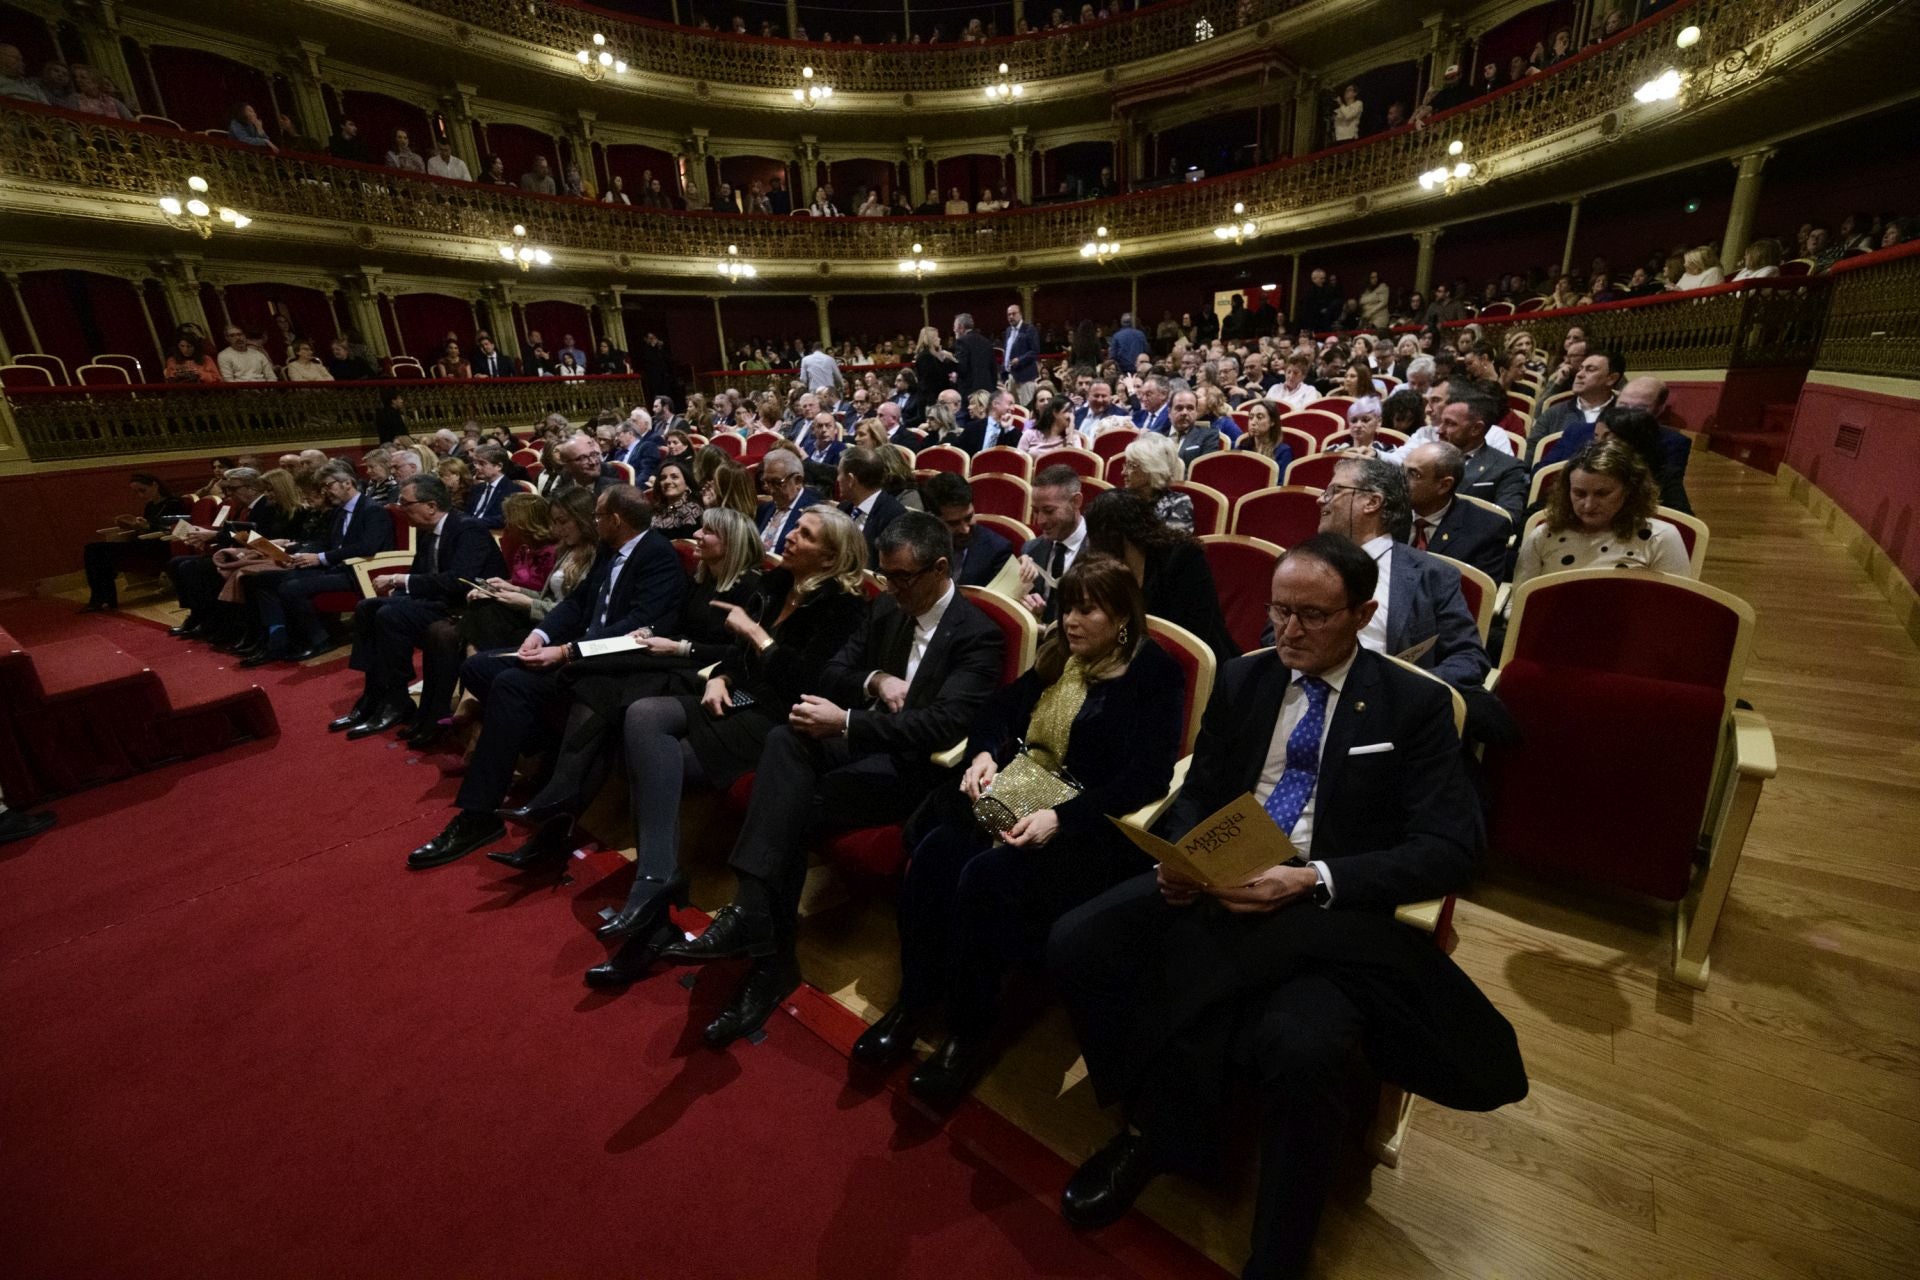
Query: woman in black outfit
[1101,707]
[1169,566]
[106,560]
[808,607]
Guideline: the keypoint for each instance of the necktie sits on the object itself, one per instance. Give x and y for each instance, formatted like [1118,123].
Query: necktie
[1058,564]
[1422,530]
[339,529]
[1290,794]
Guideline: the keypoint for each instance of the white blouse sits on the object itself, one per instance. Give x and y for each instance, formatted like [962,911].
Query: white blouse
[1346,120]
[1657,546]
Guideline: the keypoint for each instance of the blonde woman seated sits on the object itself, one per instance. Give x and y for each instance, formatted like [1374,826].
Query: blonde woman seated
[1601,516]
[458,478]
[1052,429]
[1701,269]
[1151,468]
[1761,259]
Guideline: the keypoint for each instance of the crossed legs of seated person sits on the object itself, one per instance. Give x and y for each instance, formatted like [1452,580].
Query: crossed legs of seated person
[196,584]
[1172,1004]
[971,912]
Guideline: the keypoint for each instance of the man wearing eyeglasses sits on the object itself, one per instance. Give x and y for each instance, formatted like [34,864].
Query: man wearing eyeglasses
[241,361]
[580,465]
[1173,986]
[855,754]
[783,476]
[281,601]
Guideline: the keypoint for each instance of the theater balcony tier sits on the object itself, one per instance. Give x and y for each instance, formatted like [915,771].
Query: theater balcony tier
[1756,74]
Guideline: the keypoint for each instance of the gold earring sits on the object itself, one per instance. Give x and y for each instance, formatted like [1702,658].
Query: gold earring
[1122,638]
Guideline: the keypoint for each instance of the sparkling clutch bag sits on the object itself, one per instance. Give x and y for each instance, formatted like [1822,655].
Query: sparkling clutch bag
[1023,787]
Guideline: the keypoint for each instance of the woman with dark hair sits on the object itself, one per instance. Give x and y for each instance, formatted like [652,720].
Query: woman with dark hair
[451,364]
[126,549]
[1262,435]
[676,503]
[1169,566]
[609,360]
[1101,709]
[1640,431]
[1052,429]
[1084,349]
[1601,516]
[190,363]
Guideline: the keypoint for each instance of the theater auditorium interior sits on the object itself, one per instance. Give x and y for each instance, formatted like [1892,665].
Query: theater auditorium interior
[722,638]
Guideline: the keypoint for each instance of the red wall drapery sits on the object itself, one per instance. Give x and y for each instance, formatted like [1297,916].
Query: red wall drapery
[201,88]
[425,320]
[972,174]
[555,320]
[81,314]
[252,306]
[630,161]
[378,116]
[518,145]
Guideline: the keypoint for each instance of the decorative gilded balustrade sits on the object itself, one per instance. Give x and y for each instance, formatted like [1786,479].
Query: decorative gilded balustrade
[1873,321]
[108,422]
[659,48]
[46,147]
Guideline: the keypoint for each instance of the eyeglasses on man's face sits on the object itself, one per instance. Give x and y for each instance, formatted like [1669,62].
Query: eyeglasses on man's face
[1309,618]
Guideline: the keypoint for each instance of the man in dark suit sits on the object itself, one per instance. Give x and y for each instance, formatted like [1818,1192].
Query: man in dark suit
[861,496]
[1497,477]
[996,429]
[281,602]
[972,357]
[249,510]
[783,475]
[1447,525]
[1421,613]
[636,581]
[854,754]
[1153,413]
[656,366]
[450,549]
[491,362]
[581,466]
[1020,356]
[1172,984]
[640,436]
[979,553]
[1063,535]
[1595,384]
[487,497]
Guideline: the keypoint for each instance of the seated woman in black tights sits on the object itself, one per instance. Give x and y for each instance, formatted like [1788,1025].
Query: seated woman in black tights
[727,557]
[1101,706]
[106,560]
[809,607]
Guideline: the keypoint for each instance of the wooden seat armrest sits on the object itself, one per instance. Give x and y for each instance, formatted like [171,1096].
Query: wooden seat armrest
[1145,816]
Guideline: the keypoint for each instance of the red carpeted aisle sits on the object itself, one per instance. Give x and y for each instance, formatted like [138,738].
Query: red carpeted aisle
[240,1040]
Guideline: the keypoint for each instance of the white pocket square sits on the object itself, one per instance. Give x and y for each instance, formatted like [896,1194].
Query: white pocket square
[1371,749]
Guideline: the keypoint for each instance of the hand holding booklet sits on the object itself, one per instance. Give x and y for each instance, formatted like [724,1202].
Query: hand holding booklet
[1230,846]
[268,548]
[611,644]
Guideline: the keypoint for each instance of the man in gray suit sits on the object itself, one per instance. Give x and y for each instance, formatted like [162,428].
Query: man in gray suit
[1494,476]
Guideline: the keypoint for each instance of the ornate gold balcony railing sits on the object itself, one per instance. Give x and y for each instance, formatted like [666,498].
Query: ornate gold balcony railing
[107,422]
[657,48]
[1873,321]
[42,147]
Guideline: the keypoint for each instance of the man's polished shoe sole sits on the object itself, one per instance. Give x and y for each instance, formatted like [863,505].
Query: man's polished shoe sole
[253,660]
[443,848]
[634,917]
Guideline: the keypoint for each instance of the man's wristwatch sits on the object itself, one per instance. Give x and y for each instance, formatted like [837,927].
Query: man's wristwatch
[1322,895]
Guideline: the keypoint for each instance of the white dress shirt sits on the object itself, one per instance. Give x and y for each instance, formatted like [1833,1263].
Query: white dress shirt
[923,628]
[1293,709]
[862,509]
[1374,634]
[1299,397]
[452,167]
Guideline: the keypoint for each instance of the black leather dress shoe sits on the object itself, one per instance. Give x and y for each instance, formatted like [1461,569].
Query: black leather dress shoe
[768,983]
[946,1077]
[627,965]
[467,832]
[646,906]
[15,825]
[96,606]
[382,721]
[546,847]
[260,658]
[312,651]
[887,1041]
[534,815]
[185,631]
[340,724]
[422,736]
[732,933]
[1106,1186]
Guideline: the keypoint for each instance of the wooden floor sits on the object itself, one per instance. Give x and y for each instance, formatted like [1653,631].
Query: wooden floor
[1766,1127]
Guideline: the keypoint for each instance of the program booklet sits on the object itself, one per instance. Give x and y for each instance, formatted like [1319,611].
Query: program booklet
[268,548]
[1230,846]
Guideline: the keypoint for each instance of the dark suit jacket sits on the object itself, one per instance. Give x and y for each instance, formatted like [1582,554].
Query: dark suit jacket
[1499,479]
[973,358]
[647,594]
[497,365]
[262,516]
[985,554]
[960,668]
[1024,365]
[1423,599]
[369,531]
[886,509]
[1476,536]
[1179,587]
[464,549]
[493,514]
[760,517]
[1121,749]
[974,437]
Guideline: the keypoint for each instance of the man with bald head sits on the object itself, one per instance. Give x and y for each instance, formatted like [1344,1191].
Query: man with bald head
[897,432]
[1445,524]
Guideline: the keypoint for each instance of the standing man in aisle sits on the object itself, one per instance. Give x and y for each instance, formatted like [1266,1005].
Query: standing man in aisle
[1020,357]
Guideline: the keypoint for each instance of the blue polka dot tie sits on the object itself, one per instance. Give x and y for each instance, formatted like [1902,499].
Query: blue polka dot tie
[1290,794]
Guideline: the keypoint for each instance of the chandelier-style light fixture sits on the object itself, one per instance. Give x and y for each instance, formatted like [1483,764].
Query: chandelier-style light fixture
[1448,177]
[1004,89]
[522,254]
[1100,248]
[597,61]
[917,265]
[734,268]
[1241,229]
[1666,86]
[811,94]
[194,214]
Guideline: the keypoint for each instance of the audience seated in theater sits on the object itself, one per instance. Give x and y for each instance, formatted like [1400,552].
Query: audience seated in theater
[450,550]
[548,548]
[1759,260]
[279,602]
[864,497]
[856,751]
[402,155]
[1262,434]
[1061,537]
[56,82]
[1497,477]
[1420,597]
[1380,809]
[189,363]
[450,364]
[824,442]
[1052,429]
[14,80]
[783,476]
[196,582]
[1664,452]
[1151,468]
[1445,524]
[580,460]
[94,97]
[292,139]
[636,581]
[1702,268]
[1195,438]
[979,553]
[241,361]
[1594,384]
[1297,391]
[349,145]
[1602,516]
[303,366]
[538,179]
[677,512]
[444,164]
[1168,564]
[106,560]
[1100,414]
[1102,706]
[244,127]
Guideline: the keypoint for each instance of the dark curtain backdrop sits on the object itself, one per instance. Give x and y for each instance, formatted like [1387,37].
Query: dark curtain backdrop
[252,306]
[685,324]
[630,161]
[378,116]
[1518,35]
[972,174]
[80,314]
[871,318]
[1096,297]
[518,145]
[27,33]
[1078,164]
[1218,144]
[200,87]
[425,319]
[767,321]
[744,171]
[848,176]
[555,320]
[1393,258]
[987,304]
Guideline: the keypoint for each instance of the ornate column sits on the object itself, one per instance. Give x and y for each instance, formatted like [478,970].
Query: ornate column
[692,161]
[506,332]
[220,296]
[1423,266]
[820,301]
[309,106]
[793,25]
[26,317]
[806,161]
[146,310]
[159,94]
[1746,198]
[457,102]
[1026,302]
[616,323]
[580,137]
[1306,114]
[101,40]
[720,332]
[917,171]
[180,283]
[1136,152]
[363,308]
[1573,228]
[1022,166]
[926,309]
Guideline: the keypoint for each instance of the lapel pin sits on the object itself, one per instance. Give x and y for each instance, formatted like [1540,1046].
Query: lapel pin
[1359,706]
